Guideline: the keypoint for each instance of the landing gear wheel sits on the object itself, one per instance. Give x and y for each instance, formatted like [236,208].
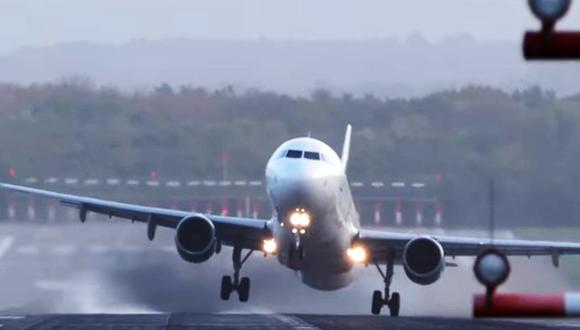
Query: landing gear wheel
[226,288]
[393,301]
[377,303]
[230,284]
[244,289]
[395,304]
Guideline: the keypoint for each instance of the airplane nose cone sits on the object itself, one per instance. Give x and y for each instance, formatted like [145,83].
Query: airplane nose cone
[302,188]
[308,189]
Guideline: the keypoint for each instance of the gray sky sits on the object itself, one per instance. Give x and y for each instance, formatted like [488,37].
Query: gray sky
[45,22]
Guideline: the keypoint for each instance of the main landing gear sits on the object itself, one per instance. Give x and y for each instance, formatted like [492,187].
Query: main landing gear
[393,301]
[242,286]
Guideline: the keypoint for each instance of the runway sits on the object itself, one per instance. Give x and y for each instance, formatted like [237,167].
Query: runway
[107,275]
[263,321]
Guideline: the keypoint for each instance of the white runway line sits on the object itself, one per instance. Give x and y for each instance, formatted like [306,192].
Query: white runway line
[131,249]
[27,249]
[50,285]
[168,248]
[10,317]
[64,250]
[293,322]
[5,245]
[98,249]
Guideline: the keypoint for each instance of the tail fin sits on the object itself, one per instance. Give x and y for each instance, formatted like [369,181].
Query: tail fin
[346,147]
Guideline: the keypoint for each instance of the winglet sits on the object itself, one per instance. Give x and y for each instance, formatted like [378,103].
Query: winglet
[346,147]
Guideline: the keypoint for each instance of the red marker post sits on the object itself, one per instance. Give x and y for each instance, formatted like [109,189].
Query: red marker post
[552,45]
[527,305]
[491,268]
[398,213]
[377,213]
[548,43]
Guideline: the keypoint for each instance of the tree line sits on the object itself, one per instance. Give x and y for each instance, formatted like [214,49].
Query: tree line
[527,140]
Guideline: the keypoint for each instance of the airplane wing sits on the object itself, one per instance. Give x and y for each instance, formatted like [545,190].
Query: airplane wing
[380,243]
[246,233]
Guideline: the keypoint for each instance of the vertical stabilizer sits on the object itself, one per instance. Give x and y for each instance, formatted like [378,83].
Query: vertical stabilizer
[346,147]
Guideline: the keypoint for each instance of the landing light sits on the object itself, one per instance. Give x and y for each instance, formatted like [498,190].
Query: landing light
[300,218]
[357,254]
[270,246]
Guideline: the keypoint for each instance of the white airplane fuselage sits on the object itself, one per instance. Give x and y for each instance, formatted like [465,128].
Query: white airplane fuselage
[296,181]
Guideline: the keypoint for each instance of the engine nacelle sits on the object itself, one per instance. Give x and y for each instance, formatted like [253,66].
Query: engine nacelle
[423,260]
[195,238]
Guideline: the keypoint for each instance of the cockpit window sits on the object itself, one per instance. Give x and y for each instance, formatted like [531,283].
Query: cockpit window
[311,155]
[294,154]
[280,154]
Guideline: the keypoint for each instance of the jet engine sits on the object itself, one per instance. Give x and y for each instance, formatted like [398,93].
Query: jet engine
[195,238]
[423,260]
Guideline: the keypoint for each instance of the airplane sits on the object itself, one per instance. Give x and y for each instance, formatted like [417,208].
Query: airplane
[314,230]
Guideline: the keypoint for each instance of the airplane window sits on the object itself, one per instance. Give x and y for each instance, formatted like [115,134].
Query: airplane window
[294,154]
[311,155]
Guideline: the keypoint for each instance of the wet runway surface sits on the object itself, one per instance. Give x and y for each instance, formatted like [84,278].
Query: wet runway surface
[264,321]
[107,275]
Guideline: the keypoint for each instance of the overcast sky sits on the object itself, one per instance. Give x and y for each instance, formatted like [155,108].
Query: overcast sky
[45,22]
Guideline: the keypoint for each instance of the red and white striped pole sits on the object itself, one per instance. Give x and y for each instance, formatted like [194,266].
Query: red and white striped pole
[11,211]
[71,214]
[240,208]
[419,214]
[377,213]
[398,213]
[208,207]
[51,211]
[247,202]
[30,210]
[438,214]
[255,208]
[225,210]
[527,305]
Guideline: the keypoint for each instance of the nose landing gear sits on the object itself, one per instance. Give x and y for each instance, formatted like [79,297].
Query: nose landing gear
[242,286]
[296,249]
[393,301]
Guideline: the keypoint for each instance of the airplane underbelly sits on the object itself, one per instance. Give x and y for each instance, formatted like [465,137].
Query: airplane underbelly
[323,263]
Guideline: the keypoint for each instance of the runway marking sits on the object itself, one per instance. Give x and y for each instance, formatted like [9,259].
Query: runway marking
[27,249]
[11,317]
[131,249]
[553,323]
[5,245]
[64,250]
[168,248]
[294,322]
[98,249]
